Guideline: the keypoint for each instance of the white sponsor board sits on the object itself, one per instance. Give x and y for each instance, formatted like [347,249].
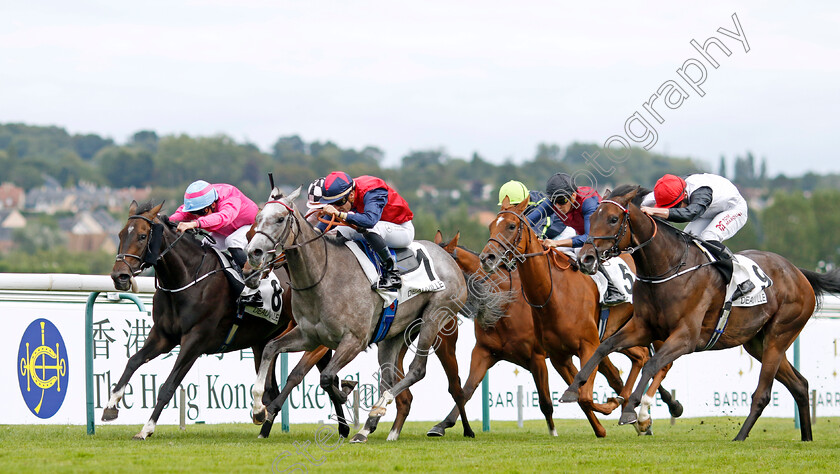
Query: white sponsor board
[218,388]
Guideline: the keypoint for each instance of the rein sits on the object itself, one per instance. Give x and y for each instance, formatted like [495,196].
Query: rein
[522,256]
[284,236]
[614,250]
[144,265]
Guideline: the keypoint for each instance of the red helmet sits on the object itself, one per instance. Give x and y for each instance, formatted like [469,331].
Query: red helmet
[669,191]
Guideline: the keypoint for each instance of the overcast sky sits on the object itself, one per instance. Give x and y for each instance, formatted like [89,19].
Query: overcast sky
[496,77]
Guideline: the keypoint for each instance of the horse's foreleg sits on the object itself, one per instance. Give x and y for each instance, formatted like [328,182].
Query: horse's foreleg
[155,345]
[291,341]
[644,419]
[634,333]
[613,376]
[480,362]
[446,355]
[677,344]
[568,371]
[540,373]
[191,348]
[343,427]
[307,361]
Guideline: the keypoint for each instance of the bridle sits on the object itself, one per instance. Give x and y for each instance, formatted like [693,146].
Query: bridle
[282,238]
[626,226]
[513,252]
[144,264]
[614,250]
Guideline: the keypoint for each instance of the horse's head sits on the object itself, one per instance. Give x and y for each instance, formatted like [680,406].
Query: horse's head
[609,227]
[275,228]
[140,241]
[508,236]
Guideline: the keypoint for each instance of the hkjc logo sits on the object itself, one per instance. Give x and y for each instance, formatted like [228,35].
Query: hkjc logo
[43,369]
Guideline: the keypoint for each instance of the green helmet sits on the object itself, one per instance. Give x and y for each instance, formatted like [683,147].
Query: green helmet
[514,190]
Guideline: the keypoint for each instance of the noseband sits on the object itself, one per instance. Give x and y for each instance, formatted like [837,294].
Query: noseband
[512,254]
[282,238]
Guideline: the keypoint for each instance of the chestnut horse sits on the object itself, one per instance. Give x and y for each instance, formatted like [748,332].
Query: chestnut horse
[193,307]
[678,299]
[510,336]
[565,306]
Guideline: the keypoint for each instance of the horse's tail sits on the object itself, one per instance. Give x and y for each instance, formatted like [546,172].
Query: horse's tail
[485,303]
[823,283]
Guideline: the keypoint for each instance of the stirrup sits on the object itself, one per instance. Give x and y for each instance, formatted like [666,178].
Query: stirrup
[388,282]
[613,297]
[252,300]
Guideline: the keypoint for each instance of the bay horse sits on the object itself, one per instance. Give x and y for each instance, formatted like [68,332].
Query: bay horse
[335,307]
[678,298]
[193,306]
[565,309]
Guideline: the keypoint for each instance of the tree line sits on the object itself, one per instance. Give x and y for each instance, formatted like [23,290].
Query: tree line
[794,216]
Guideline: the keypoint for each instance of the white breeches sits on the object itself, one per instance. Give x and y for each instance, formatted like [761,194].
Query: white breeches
[721,226]
[395,235]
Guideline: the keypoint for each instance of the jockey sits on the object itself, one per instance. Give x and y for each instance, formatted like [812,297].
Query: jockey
[516,192]
[381,215]
[571,206]
[222,210]
[711,204]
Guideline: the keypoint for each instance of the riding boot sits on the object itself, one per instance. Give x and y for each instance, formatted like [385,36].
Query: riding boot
[612,296]
[745,287]
[239,257]
[722,248]
[389,279]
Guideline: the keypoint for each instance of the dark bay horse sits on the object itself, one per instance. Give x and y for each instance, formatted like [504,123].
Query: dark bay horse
[678,300]
[565,308]
[334,306]
[193,307]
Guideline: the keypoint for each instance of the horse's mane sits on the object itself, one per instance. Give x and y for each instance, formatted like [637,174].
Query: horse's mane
[625,189]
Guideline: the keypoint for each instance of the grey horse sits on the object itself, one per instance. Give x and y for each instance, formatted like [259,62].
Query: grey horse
[334,306]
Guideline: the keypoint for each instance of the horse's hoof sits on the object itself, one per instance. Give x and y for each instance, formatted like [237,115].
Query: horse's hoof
[359,438]
[569,396]
[110,414]
[469,434]
[649,431]
[676,410]
[140,437]
[619,399]
[437,431]
[343,430]
[377,412]
[258,418]
[627,417]
[266,430]
[347,386]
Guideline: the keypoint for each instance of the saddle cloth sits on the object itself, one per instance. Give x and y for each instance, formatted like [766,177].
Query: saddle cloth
[622,277]
[271,293]
[270,290]
[417,277]
[744,269]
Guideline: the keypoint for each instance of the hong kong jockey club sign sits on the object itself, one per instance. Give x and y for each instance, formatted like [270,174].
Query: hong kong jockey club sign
[43,369]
